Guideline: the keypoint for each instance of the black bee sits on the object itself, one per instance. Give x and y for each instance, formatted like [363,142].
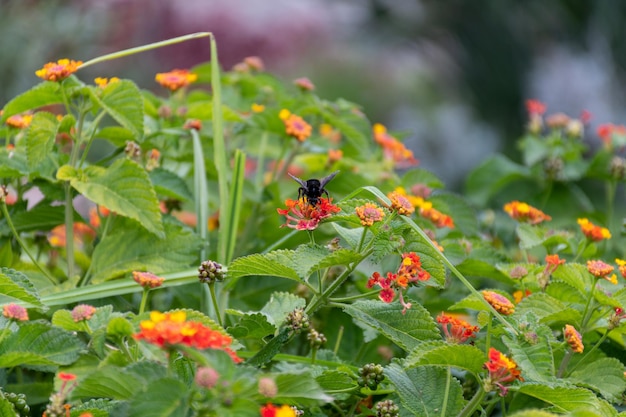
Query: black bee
[313,189]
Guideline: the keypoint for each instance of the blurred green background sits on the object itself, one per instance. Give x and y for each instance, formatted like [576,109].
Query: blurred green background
[452,75]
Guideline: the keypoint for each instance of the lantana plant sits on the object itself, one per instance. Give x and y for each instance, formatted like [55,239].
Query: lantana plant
[158,258]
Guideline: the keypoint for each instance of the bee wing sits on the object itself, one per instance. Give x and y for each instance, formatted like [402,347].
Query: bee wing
[327,179]
[299,181]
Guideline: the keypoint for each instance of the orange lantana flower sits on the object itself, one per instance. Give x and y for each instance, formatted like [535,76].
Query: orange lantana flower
[400,203]
[499,302]
[573,339]
[175,79]
[501,370]
[601,269]
[19,121]
[593,232]
[170,329]
[393,148]
[369,213]
[58,71]
[525,213]
[295,125]
[301,215]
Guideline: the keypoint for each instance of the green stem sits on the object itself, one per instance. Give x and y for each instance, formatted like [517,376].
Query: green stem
[215,304]
[446,393]
[611,187]
[132,51]
[338,342]
[69,230]
[474,403]
[354,297]
[87,277]
[564,362]
[313,355]
[362,240]
[488,336]
[5,212]
[144,300]
[587,312]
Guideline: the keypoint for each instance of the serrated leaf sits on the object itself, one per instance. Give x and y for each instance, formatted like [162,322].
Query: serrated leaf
[281,304]
[40,95]
[252,326]
[38,343]
[310,258]
[40,137]
[548,309]
[564,399]
[332,380]
[123,101]
[604,375]
[270,350]
[465,357]
[407,330]
[462,213]
[530,236]
[109,382]
[536,360]
[269,264]
[575,275]
[124,188]
[170,185]
[350,235]
[17,286]
[420,390]
[117,135]
[119,327]
[6,408]
[353,128]
[128,248]
[12,165]
[166,397]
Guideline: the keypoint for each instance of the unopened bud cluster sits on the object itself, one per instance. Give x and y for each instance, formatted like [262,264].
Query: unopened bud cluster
[297,320]
[370,375]
[132,150]
[210,272]
[387,408]
[316,338]
[19,403]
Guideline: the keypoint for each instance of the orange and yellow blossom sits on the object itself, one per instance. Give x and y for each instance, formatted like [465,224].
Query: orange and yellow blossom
[456,330]
[621,266]
[525,213]
[58,71]
[175,79]
[400,203]
[393,148]
[601,269]
[270,410]
[426,208]
[301,215]
[369,213]
[502,370]
[499,302]
[19,121]
[573,339]
[295,126]
[103,82]
[593,232]
[170,329]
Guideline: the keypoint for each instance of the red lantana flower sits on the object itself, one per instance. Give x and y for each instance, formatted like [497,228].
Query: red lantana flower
[535,107]
[502,370]
[301,215]
[456,330]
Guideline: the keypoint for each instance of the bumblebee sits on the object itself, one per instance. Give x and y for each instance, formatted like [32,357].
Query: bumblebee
[312,190]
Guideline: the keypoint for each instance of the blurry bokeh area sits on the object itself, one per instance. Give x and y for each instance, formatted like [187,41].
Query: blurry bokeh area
[451,77]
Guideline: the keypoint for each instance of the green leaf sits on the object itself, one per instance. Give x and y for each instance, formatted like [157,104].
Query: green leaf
[168,184]
[12,164]
[37,343]
[128,248]
[17,286]
[270,350]
[270,264]
[407,330]
[123,101]
[462,213]
[421,390]
[534,413]
[350,235]
[564,399]
[252,326]
[42,217]
[531,236]
[536,360]
[40,137]
[576,275]
[166,397]
[604,375]
[124,188]
[354,129]
[109,382]
[119,327]
[280,305]
[6,408]
[548,309]
[333,380]
[42,94]
[299,389]
[116,135]
[416,176]
[465,357]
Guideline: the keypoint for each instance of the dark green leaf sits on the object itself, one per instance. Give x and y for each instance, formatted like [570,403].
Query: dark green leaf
[299,389]
[604,375]
[564,399]
[168,184]
[332,380]
[40,137]
[109,382]
[407,330]
[252,326]
[464,357]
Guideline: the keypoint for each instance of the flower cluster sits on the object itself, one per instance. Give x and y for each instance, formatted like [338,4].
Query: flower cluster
[600,269]
[573,339]
[147,279]
[525,213]
[409,272]
[19,121]
[301,215]
[369,213]
[592,231]
[393,148]
[400,203]
[14,312]
[456,330]
[58,71]
[607,131]
[499,302]
[295,125]
[175,79]
[270,410]
[82,312]
[425,208]
[170,329]
[552,263]
[102,82]
[502,370]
